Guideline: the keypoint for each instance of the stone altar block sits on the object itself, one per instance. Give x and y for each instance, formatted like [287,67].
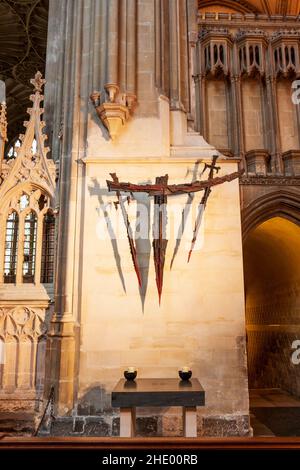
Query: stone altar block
[127,395]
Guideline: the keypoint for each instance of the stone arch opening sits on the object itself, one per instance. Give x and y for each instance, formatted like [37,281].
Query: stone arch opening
[272,294]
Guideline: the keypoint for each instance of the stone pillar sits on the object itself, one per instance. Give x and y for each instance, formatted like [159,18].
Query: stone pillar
[172,51]
[113,41]
[100,43]
[178,55]
[75,21]
[273,120]
[237,118]
[89,37]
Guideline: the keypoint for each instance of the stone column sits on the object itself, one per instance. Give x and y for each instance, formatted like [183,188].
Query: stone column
[178,55]
[172,51]
[273,119]
[113,41]
[131,47]
[90,44]
[192,9]
[62,338]
[237,118]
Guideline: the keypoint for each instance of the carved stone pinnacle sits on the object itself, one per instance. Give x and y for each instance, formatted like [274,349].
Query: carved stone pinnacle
[38,82]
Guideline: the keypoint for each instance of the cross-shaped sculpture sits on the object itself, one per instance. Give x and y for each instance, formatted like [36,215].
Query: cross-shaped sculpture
[160,190]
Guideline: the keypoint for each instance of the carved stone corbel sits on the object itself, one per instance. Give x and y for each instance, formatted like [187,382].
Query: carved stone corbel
[257,162]
[115,110]
[291,162]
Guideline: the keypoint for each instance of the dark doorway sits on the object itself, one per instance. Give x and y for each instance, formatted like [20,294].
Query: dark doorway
[272,292]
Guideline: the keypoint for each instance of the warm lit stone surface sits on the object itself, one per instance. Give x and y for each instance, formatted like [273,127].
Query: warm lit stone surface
[198,323]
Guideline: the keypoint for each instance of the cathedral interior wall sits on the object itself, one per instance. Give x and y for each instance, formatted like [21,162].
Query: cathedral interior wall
[198,323]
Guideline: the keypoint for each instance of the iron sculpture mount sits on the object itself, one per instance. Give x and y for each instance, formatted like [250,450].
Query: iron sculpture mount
[161,190]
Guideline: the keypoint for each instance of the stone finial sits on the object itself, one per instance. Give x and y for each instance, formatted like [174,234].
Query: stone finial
[38,82]
[95,98]
[113,90]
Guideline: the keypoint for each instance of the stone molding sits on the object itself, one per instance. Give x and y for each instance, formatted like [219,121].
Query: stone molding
[270,180]
[291,162]
[257,161]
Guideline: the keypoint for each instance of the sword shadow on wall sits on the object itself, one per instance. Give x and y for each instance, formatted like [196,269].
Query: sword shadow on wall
[185,212]
[143,244]
[96,190]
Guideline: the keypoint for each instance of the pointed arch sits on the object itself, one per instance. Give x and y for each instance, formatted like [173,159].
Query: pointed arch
[272,302]
[236,6]
[282,203]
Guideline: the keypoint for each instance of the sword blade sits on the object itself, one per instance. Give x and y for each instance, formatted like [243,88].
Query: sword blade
[159,242]
[202,205]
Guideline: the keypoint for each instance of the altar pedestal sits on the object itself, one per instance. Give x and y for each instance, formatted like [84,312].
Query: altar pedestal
[158,392]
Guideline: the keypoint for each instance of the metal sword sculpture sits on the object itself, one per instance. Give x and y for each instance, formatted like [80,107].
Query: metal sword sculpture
[159,240]
[160,190]
[203,202]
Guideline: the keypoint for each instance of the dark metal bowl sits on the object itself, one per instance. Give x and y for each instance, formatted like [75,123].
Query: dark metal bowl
[185,375]
[130,375]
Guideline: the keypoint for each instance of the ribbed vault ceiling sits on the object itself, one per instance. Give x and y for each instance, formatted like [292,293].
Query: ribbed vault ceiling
[23,40]
[268,7]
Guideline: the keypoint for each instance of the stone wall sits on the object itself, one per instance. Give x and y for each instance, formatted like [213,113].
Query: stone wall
[217,114]
[252,113]
[287,113]
[201,318]
[102,322]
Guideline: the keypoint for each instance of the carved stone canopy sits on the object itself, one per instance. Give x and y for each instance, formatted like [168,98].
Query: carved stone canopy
[31,166]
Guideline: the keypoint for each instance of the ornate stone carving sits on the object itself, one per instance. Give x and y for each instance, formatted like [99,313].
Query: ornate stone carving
[257,161]
[251,53]
[214,31]
[270,181]
[3,132]
[23,336]
[115,109]
[3,122]
[285,33]
[243,33]
[31,165]
[291,161]
[19,322]
[286,55]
